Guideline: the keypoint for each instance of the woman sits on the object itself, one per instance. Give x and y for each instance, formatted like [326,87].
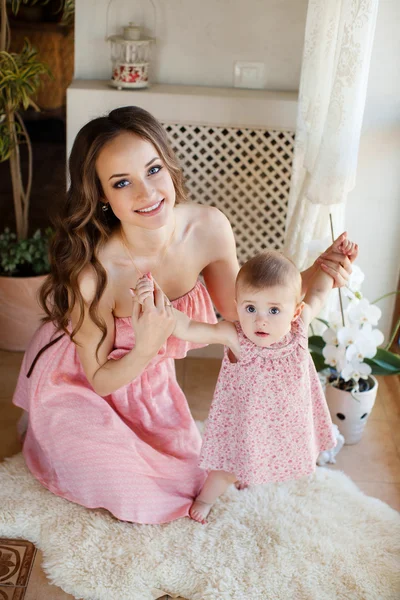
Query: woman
[108,424]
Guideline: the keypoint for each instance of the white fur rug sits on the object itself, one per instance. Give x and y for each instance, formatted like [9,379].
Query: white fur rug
[319,537]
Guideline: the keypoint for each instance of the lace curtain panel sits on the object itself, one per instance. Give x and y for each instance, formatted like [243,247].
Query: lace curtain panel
[336,58]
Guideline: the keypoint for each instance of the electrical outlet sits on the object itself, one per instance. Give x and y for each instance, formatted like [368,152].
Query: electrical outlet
[249,75]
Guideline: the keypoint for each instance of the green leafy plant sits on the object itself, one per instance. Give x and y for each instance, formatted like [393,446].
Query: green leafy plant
[24,257]
[15,4]
[20,77]
[68,13]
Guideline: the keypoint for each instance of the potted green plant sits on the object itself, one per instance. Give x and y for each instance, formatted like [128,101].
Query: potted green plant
[348,349]
[38,10]
[24,259]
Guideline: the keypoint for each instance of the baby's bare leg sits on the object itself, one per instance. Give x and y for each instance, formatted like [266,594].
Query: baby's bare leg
[214,486]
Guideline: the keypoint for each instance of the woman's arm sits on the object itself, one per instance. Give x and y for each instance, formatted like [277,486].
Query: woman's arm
[332,262]
[222,269]
[322,283]
[185,328]
[105,376]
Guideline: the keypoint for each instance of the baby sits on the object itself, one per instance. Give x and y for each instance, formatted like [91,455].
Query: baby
[268,420]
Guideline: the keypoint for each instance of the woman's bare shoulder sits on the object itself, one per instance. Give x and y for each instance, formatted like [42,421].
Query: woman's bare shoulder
[204,212]
[89,278]
[87,282]
[208,222]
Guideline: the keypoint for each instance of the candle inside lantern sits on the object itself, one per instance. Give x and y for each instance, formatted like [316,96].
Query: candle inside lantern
[132,32]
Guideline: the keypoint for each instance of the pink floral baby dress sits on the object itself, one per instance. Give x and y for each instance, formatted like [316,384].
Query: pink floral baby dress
[269,419]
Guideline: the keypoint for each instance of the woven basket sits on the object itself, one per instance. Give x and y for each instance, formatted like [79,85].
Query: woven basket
[55,45]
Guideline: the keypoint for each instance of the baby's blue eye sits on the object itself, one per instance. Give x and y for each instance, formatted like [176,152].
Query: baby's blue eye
[250,308]
[274,310]
[155,169]
[121,184]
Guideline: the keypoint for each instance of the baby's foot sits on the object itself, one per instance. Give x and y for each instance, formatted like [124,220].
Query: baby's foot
[199,511]
[241,486]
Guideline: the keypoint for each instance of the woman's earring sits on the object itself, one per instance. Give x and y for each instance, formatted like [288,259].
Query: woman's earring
[105,207]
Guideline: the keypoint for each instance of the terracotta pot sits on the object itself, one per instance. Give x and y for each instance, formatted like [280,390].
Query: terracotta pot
[20,312]
[350,410]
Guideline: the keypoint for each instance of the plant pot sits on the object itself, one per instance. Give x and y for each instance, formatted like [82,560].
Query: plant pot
[20,312]
[350,410]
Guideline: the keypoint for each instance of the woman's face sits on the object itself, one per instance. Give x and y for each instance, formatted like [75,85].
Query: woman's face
[136,182]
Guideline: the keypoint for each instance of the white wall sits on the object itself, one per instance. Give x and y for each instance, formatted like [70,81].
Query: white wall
[373,208]
[198,43]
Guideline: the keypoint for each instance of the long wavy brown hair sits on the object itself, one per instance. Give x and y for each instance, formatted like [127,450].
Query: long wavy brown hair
[83,227]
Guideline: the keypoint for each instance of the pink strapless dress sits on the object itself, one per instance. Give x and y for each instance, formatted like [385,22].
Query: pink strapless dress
[134,452]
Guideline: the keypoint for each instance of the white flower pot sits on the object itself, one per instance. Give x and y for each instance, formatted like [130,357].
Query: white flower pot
[350,410]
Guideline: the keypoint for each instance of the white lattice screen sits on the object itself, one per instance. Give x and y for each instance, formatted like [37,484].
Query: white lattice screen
[243,172]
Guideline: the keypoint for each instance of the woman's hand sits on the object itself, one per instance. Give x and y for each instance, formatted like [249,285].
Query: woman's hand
[336,260]
[153,321]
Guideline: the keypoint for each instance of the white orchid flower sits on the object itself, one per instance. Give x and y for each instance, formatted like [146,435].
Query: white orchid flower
[355,370]
[330,337]
[356,278]
[349,293]
[365,343]
[348,335]
[334,357]
[353,288]
[374,335]
[362,349]
[364,312]
[335,320]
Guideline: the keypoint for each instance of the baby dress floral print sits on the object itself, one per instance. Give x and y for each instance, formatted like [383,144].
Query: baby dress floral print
[269,419]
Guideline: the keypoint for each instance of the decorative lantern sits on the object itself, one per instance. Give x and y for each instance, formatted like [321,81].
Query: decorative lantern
[130,57]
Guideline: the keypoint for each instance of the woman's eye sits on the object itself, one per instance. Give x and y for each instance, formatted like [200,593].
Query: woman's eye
[274,310]
[251,308]
[121,184]
[155,169]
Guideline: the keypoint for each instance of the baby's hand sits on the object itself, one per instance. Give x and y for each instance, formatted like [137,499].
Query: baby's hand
[144,288]
[344,246]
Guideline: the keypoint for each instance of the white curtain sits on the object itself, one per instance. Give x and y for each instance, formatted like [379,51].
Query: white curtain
[333,85]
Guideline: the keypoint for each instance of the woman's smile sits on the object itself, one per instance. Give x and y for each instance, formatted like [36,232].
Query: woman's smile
[154,209]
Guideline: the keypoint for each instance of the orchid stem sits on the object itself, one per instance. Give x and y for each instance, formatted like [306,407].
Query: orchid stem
[385,296]
[396,328]
[339,290]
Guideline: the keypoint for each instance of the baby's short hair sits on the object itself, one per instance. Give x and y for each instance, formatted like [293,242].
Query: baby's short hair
[270,268]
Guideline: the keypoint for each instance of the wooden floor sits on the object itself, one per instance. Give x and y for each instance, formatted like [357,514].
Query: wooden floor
[374,463]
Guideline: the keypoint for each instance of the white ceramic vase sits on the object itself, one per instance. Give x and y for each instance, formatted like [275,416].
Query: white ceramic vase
[350,410]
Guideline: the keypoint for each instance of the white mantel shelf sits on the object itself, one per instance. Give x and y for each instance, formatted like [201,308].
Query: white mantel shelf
[90,98]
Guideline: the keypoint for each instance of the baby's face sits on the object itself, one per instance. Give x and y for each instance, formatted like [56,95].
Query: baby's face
[266,315]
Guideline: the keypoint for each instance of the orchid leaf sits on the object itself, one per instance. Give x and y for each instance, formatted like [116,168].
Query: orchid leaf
[384,363]
[316,343]
[318,360]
